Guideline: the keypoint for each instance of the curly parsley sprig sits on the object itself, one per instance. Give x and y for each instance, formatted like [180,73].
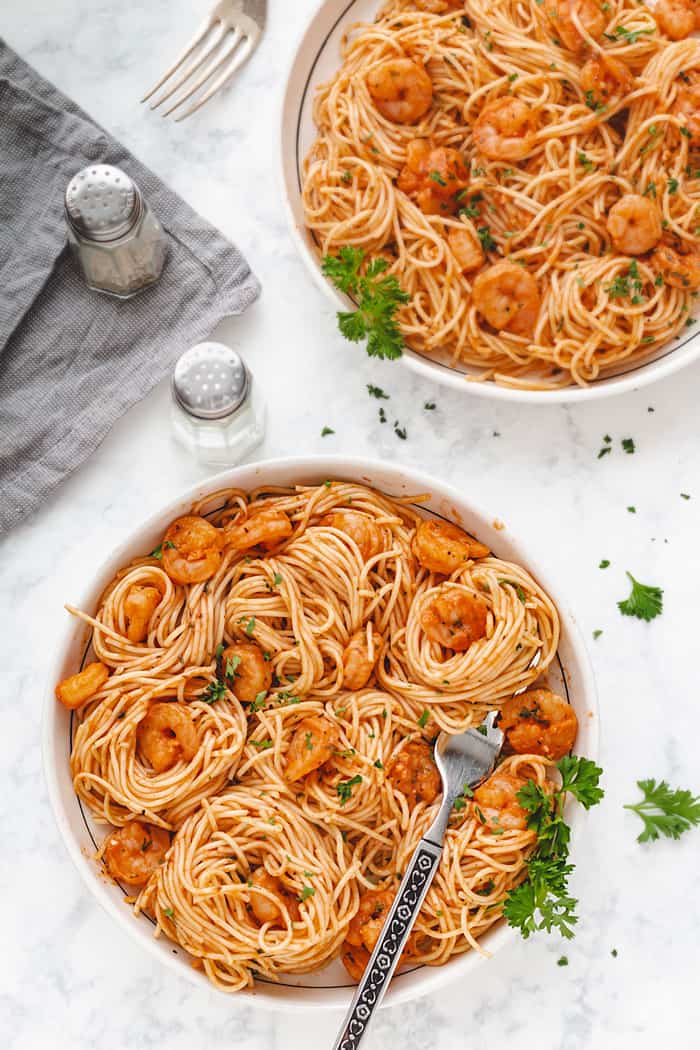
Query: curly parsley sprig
[665,810]
[543,901]
[378,295]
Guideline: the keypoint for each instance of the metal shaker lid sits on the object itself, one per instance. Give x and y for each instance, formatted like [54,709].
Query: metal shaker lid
[102,202]
[210,381]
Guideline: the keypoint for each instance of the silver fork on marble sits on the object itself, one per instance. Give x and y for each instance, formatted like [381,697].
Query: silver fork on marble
[223,42]
[463,761]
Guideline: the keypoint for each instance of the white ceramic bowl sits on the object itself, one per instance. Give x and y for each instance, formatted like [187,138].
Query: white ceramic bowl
[330,988]
[316,60]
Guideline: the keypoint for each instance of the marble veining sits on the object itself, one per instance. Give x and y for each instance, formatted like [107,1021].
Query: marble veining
[68,977]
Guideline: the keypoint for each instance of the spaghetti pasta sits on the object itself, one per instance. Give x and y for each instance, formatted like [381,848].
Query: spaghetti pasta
[492,206]
[293,808]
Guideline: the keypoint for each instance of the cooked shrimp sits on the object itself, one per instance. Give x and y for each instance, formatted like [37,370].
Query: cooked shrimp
[413,772]
[312,744]
[495,802]
[538,722]
[680,271]
[359,527]
[166,735]
[442,547]
[634,223]
[434,176]
[246,671]
[191,550]
[505,130]
[140,603]
[565,15]
[401,90]
[675,18]
[265,528]
[357,665]
[687,107]
[270,911]
[455,619]
[507,297]
[366,924]
[605,80]
[466,249]
[355,959]
[132,853]
[77,689]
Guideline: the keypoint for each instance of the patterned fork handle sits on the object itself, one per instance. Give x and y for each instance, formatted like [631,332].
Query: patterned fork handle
[385,957]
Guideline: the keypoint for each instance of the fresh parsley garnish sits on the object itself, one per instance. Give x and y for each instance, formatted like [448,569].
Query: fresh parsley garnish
[232,666]
[543,901]
[379,297]
[645,602]
[250,626]
[665,810]
[259,700]
[326,431]
[604,563]
[376,391]
[596,634]
[627,36]
[487,241]
[627,286]
[423,720]
[214,691]
[585,162]
[344,788]
[306,892]
[628,445]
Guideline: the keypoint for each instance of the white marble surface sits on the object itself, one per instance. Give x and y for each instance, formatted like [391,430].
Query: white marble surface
[68,977]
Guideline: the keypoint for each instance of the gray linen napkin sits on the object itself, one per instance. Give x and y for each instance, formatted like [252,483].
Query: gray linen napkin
[71,360]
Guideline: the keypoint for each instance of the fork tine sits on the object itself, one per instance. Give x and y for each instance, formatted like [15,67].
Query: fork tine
[237,61]
[204,28]
[211,69]
[209,51]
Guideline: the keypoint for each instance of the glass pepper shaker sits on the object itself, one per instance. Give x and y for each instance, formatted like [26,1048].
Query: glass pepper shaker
[116,238]
[217,410]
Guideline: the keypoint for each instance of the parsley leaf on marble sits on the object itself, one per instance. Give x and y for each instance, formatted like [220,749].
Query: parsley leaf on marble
[645,602]
[665,810]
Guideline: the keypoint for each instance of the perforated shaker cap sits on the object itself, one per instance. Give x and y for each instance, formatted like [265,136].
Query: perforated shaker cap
[102,202]
[210,381]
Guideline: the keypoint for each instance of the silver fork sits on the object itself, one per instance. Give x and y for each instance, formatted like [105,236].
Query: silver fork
[223,42]
[463,760]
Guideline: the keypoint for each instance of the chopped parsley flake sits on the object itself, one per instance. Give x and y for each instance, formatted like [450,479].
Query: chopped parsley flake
[344,788]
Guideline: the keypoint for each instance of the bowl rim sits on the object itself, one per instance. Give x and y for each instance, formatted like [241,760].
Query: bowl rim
[666,364]
[361,470]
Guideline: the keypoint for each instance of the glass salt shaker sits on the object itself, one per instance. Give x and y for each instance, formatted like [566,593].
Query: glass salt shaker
[116,238]
[217,410]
